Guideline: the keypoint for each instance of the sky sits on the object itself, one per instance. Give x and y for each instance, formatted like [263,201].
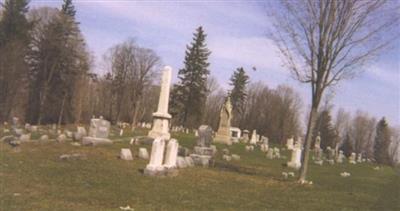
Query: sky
[236,35]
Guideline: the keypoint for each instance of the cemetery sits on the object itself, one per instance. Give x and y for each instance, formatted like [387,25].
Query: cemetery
[111,166]
[38,177]
[245,115]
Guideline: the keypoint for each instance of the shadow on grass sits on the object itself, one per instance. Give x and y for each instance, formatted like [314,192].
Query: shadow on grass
[241,169]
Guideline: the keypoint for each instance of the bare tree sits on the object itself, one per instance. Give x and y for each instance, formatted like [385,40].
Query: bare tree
[323,42]
[394,147]
[131,70]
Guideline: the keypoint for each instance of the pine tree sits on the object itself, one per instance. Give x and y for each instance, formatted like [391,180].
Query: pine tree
[59,60]
[326,129]
[239,81]
[189,95]
[347,146]
[14,45]
[382,142]
[68,8]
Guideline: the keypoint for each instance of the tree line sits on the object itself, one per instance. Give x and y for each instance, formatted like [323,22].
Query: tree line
[46,76]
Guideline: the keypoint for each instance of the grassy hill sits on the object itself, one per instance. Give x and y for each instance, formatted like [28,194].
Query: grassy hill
[36,179]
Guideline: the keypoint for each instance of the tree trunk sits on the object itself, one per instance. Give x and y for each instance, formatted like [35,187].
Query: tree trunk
[308,140]
[42,99]
[61,112]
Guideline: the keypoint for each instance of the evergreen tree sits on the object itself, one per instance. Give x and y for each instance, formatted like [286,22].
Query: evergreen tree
[59,60]
[347,146]
[68,8]
[14,45]
[189,95]
[239,81]
[382,142]
[326,129]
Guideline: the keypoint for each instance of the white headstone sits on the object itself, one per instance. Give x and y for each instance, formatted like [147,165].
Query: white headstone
[264,147]
[295,161]
[253,139]
[157,155]
[171,154]
[126,154]
[352,158]
[290,143]
[340,157]
[143,154]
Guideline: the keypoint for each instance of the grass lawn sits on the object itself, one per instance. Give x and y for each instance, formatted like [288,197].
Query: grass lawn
[36,179]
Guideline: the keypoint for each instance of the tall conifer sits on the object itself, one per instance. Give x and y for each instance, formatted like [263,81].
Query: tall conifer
[189,95]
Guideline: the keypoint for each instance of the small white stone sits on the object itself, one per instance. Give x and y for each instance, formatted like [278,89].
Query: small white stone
[143,154]
[126,154]
[181,162]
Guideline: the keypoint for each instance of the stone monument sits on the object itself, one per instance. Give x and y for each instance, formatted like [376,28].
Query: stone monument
[224,134]
[203,151]
[161,117]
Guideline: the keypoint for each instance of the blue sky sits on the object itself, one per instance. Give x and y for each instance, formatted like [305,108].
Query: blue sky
[236,36]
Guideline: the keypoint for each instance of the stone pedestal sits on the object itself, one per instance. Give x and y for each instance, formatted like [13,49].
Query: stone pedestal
[161,117]
[160,126]
[202,155]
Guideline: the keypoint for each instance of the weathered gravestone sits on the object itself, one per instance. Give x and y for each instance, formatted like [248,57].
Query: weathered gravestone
[98,133]
[126,154]
[245,136]
[330,155]
[340,157]
[205,136]
[253,139]
[171,154]
[295,161]
[203,151]
[352,158]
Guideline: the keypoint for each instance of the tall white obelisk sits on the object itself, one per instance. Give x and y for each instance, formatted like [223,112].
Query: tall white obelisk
[161,117]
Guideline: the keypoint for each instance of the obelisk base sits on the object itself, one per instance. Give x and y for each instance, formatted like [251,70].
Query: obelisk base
[160,126]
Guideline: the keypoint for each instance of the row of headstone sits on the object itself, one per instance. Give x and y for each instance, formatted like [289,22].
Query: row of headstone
[273,153]
[144,125]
